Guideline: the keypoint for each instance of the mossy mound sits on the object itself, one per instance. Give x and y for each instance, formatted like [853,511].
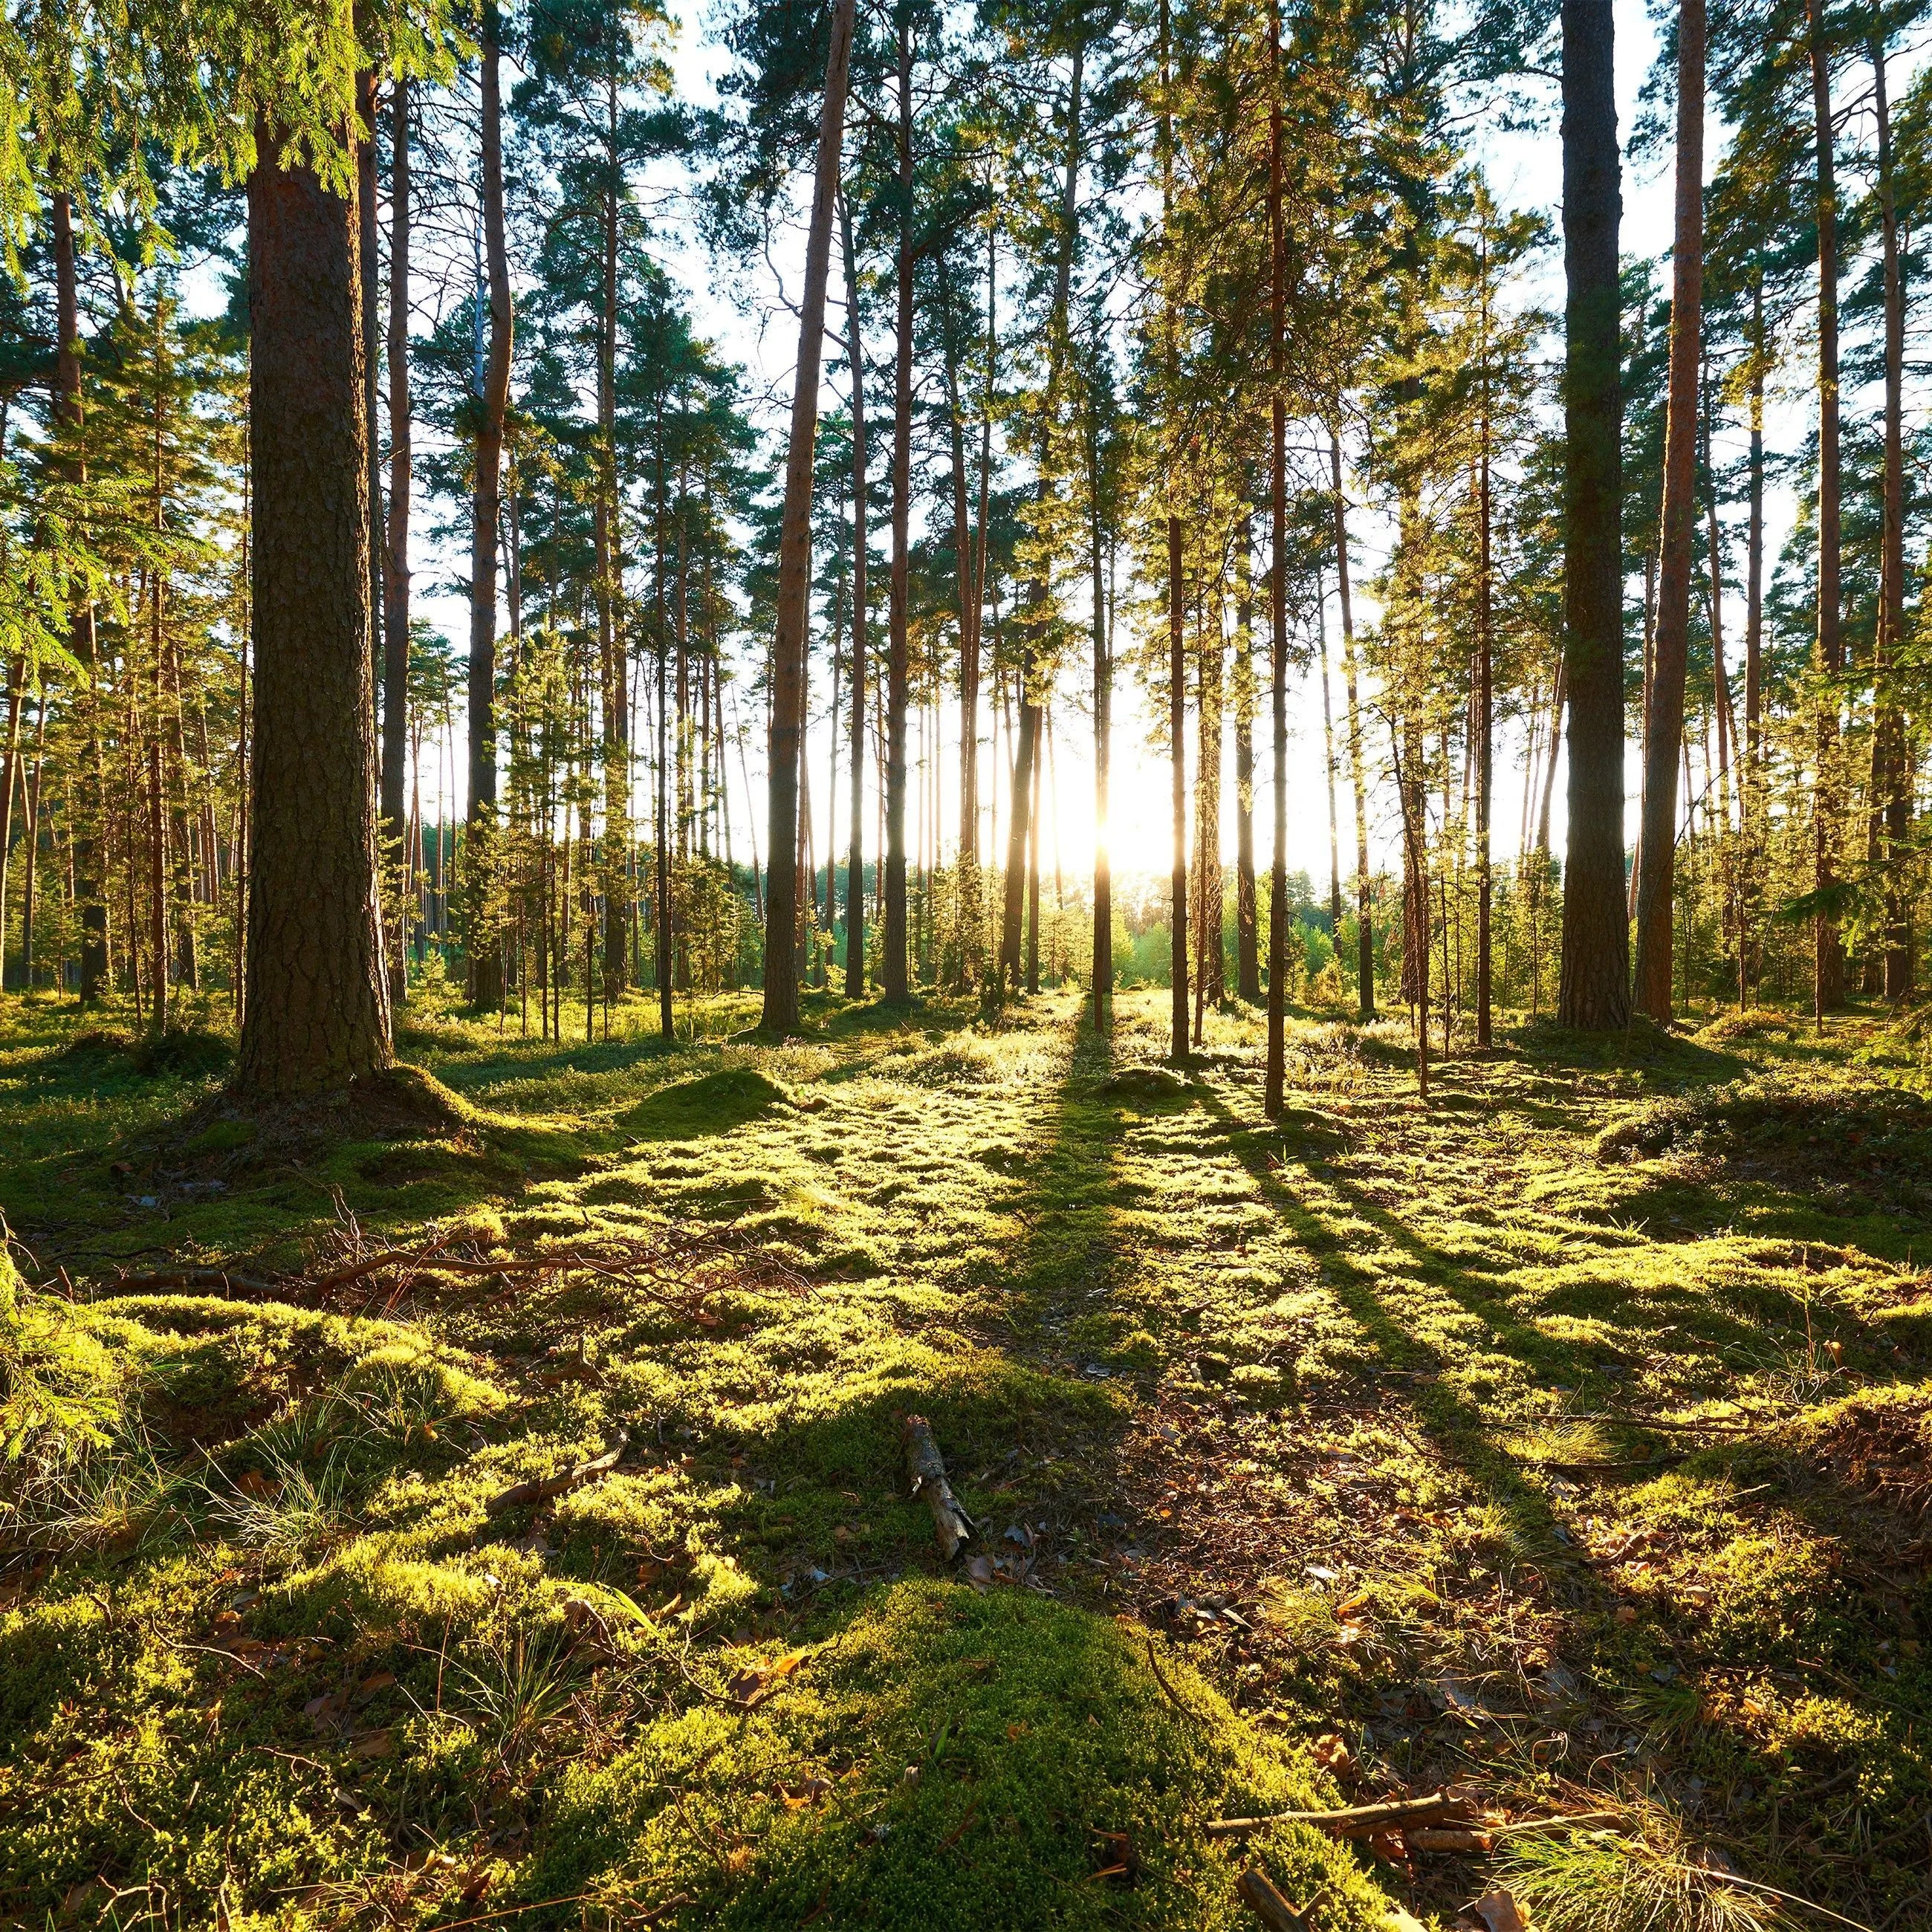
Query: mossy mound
[712,1103]
[948,1758]
[178,1053]
[1144,1086]
[1792,1129]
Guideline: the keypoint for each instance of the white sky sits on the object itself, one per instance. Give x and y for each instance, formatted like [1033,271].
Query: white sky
[756,330]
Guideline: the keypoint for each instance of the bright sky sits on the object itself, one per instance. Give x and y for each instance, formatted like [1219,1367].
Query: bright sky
[757,330]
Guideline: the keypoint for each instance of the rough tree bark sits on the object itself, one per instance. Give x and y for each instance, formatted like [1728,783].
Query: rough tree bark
[396,563]
[317,1012]
[780,1015]
[1664,717]
[1595,989]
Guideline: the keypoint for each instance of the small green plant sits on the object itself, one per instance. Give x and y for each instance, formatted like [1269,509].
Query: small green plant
[517,1697]
[287,1512]
[60,1389]
[1652,1881]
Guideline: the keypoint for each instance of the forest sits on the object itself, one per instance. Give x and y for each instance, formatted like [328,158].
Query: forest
[959,965]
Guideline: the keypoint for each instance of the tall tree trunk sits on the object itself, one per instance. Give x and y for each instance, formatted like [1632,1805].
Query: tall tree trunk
[1891,773]
[69,412]
[967,881]
[1103,746]
[1031,706]
[855,858]
[1663,716]
[317,1013]
[1177,609]
[1365,930]
[396,564]
[1247,948]
[1328,763]
[1276,1077]
[486,963]
[1827,976]
[367,97]
[895,984]
[1032,866]
[794,586]
[612,664]
[1595,989]
[973,876]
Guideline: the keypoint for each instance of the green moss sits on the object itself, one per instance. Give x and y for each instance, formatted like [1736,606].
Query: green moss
[712,1103]
[951,1759]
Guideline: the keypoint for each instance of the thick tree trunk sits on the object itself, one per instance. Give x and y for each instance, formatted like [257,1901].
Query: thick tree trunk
[1663,716]
[317,1013]
[794,586]
[1595,990]
[367,95]
[1828,976]
[396,563]
[486,962]
[892,974]
[855,859]
[69,415]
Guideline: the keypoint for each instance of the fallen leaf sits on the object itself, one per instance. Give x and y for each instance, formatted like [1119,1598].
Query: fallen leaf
[1331,1754]
[374,1743]
[377,1680]
[1500,1912]
[754,1684]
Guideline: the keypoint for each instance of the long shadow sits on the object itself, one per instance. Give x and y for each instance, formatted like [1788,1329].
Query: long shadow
[1456,1424]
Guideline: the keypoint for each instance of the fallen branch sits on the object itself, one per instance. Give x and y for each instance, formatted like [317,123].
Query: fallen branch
[951,1524]
[1259,1894]
[543,1488]
[636,1267]
[1352,1821]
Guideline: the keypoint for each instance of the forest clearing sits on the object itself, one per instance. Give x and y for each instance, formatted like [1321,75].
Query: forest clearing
[1563,1442]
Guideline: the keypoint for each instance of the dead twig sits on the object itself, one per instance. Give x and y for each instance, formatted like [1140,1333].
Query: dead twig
[1259,1894]
[544,1487]
[1351,1821]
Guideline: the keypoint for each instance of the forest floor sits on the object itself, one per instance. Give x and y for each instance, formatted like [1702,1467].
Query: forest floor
[1565,1439]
